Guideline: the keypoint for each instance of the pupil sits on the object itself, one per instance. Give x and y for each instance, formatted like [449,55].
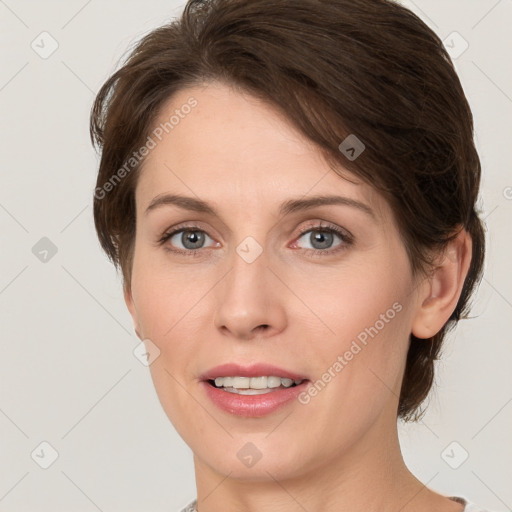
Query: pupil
[320,237]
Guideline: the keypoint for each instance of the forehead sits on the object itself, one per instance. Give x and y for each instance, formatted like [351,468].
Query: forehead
[234,148]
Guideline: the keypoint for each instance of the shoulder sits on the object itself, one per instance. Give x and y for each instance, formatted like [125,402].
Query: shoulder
[469,506]
[191,507]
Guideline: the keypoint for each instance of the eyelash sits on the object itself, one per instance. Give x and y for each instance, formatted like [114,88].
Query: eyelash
[346,239]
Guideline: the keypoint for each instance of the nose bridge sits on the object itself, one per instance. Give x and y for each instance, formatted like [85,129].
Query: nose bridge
[247,278]
[247,300]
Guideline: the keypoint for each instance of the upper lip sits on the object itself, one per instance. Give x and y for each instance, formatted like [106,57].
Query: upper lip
[254,370]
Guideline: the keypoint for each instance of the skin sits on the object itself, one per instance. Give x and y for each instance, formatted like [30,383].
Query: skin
[244,158]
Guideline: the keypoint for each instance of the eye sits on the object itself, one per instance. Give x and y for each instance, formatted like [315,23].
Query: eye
[191,239]
[322,239]
[187,240]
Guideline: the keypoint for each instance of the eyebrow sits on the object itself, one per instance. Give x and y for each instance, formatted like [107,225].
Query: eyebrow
[289,206]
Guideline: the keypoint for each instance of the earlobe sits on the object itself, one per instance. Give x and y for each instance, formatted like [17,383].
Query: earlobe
[442,290]
[128,299]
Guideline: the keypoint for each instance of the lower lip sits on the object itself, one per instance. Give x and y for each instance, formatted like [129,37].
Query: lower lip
[252,406]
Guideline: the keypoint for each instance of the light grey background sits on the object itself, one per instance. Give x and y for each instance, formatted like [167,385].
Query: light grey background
[68,374]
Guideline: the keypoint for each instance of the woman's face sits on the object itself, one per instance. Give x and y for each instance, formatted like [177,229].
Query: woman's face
[252,283]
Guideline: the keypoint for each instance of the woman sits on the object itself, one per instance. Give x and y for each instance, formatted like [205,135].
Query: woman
[289,191]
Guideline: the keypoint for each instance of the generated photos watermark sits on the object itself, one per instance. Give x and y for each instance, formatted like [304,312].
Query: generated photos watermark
[356,347]
[151,142]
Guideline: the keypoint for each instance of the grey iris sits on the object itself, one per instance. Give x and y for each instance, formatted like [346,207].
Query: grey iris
[192,239]
[324,238]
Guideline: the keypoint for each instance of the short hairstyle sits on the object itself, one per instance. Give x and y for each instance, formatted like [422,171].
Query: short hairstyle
[369,68]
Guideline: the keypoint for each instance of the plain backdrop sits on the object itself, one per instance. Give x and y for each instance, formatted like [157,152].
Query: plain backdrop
[68,375]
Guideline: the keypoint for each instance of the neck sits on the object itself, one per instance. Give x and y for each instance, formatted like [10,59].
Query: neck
[371,475]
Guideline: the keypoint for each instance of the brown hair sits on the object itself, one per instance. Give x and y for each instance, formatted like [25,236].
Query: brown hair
[333,68]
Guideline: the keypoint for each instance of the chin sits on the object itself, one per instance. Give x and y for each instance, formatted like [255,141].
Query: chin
[251,460]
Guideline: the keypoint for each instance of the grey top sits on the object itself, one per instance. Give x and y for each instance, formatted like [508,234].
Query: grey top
[469,507]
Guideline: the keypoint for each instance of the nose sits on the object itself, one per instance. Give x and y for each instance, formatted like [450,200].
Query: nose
[250,300]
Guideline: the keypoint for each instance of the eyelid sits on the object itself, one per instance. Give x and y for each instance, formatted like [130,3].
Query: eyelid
[182,226]
[314,226]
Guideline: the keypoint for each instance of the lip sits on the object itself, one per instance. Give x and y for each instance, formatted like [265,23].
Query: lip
[254,370]
[253,405]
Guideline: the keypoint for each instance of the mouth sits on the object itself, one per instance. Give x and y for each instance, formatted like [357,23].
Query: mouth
[252,391]
[253,385]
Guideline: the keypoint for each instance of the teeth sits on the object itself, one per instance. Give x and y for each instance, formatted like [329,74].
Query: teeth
[254,383]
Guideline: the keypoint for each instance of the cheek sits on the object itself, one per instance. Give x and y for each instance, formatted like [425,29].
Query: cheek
[365,327]
[165,293]
[358,368]
[171,314]
[356,300]
[170,311]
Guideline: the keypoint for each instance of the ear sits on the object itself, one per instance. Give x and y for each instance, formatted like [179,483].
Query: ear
[441,291]
[131,308]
